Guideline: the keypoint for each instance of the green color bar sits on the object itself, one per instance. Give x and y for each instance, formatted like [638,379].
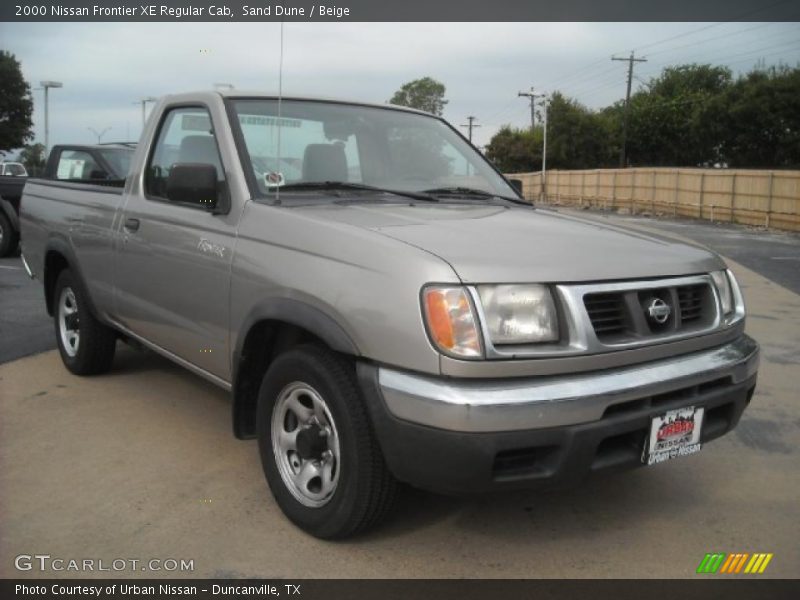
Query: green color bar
[703,564]
[711,563]
[713,568]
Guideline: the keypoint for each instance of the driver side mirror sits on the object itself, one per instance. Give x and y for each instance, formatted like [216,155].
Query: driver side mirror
[517,185]
[193,183]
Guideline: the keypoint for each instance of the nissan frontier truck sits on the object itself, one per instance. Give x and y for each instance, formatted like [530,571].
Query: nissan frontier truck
[384,307]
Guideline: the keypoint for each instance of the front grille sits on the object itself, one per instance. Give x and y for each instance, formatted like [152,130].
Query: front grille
[607,313]
[636,314]
[690,299]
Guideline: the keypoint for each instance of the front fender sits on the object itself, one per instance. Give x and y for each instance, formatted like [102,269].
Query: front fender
[301,314]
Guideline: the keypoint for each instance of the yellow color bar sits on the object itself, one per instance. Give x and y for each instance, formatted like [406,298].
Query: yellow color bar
[765,563]
[754,562]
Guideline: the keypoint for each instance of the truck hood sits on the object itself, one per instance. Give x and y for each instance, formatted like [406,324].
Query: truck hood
[495,244]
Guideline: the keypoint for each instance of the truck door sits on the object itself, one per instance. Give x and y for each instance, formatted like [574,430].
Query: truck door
[173,258]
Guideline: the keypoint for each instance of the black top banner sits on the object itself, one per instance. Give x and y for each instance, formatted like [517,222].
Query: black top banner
[401,10]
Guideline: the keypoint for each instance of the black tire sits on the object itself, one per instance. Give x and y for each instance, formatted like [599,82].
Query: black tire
[9,238]
[94,351]
[366,489]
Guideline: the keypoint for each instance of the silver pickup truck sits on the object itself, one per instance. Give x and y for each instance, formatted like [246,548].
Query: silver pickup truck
[384,307]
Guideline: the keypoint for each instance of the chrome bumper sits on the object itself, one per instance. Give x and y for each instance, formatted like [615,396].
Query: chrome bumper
[535,403]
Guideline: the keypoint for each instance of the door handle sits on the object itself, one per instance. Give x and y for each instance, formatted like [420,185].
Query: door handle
[131,224]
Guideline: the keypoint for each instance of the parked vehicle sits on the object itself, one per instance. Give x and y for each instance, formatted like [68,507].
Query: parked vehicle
[383,306]
[90,163]
[13,169]
[10,193]
[105,164]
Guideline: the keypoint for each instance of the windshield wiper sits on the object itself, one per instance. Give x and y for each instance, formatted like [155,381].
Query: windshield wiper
[346,185]
[466,192]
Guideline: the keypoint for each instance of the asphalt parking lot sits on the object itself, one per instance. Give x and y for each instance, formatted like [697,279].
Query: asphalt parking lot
[141,464]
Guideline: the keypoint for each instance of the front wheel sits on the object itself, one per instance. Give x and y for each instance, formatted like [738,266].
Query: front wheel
[319,453]
[86,345]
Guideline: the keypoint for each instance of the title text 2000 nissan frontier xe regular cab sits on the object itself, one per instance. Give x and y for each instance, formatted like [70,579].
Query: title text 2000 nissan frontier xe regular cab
[384,306]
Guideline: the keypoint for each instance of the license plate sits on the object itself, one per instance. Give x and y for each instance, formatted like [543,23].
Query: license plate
[672,434]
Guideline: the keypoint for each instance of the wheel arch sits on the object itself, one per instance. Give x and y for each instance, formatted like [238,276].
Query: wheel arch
[273,327]
[58,255]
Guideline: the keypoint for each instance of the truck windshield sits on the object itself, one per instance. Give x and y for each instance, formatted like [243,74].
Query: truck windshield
[346,143]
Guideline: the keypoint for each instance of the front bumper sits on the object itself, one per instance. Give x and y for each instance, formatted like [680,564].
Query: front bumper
[471,436]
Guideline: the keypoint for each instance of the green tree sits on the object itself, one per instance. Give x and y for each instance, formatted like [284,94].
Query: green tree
[423,94]
[760,119]
[578,138]
[516,150]
[16,105]
[672,121]
[32,156]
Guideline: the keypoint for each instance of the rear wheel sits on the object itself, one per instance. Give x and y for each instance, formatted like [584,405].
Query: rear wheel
[319,453]
[86,345]
[8,237]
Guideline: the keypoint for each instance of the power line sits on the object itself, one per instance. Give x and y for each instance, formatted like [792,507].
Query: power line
[598,75]
[707,27]
[579,71]
[723,57]
[599,84]
[711,39]
[757,58]
[738,18]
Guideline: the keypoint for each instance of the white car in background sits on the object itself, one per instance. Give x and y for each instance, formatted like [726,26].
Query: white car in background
[13,169]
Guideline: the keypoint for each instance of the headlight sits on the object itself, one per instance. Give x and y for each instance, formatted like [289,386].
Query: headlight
[451,322]
[723,285]
[519,314]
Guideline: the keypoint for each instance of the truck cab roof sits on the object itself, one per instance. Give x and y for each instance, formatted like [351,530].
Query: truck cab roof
[207,95]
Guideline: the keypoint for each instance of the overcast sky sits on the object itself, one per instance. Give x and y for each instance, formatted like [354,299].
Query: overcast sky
[106,67]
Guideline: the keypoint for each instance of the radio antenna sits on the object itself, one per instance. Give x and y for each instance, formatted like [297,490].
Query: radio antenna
[280,98]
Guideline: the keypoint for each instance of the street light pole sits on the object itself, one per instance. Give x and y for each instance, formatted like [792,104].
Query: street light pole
[144,102]
[47,85]
[545,104]
[99,135]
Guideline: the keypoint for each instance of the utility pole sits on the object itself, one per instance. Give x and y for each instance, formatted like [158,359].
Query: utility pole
[470,126]
[532,97]
[631,59]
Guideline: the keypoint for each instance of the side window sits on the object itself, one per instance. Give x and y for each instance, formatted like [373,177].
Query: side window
[77,165]
[186,136]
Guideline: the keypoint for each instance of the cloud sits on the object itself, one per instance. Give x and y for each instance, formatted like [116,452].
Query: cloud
[107,67]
